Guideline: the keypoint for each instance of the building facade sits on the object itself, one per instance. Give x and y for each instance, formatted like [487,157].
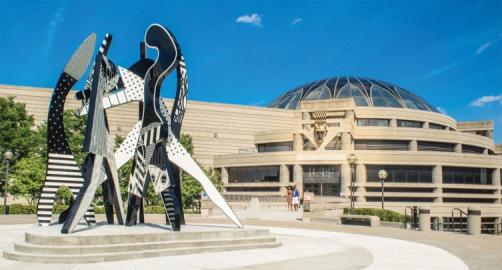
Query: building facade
[306,136]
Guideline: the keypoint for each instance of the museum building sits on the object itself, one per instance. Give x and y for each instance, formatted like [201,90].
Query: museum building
[331,137]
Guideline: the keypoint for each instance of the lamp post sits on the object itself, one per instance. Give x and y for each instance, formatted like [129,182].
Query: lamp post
[7,156]
[352,160]
[382,174]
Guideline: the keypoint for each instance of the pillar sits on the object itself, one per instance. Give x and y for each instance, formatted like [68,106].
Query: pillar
[224,175]
[425,125]
[284,177]
[345,180]
[297,142]
[437,180]
[458,148]
[298,177]
[361,182]
[413,145]
[424,218]
[474,220]
[346,141]
[393,123]
[496,182]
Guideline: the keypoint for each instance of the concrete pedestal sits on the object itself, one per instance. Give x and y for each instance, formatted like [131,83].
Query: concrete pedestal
[424,217]
[474,220]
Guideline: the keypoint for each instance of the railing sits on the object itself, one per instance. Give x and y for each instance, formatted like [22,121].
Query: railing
[461,215]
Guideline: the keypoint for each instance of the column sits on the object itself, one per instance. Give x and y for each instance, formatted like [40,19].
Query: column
[413,145]
[425,125]
[458,148]
[496,182]
[474,220]
[298,177]
[393,123]
[297,142]
[361,182]
[345,180]
[284,177]
[424,218]
[437,179]
[346,141]
[224,175]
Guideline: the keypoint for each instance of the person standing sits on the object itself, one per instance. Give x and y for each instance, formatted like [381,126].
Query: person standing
[296,198]
[289,197]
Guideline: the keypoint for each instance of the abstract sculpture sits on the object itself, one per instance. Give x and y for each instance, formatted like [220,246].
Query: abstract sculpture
[62,170]
[100,158]
[153,142]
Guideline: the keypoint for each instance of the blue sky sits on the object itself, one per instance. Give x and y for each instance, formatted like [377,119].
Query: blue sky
[249,52]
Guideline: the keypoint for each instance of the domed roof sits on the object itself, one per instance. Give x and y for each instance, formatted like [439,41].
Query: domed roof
[366,92]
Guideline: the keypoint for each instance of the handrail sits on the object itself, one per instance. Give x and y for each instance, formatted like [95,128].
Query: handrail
[452,223]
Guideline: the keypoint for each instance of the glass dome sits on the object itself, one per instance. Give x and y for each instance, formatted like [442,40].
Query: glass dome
[366,92]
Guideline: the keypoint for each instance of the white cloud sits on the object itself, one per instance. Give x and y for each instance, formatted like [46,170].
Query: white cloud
[57,18]
[441,110]
[254,19]
[483,47]
[487,45]
[482,101]
[443,69]
[296,21]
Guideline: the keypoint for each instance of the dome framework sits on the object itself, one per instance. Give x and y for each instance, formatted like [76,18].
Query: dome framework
[365,91]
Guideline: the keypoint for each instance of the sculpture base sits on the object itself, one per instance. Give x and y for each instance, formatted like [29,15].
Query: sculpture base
[102,243]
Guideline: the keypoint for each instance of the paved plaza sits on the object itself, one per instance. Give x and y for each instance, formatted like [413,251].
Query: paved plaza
[308,245]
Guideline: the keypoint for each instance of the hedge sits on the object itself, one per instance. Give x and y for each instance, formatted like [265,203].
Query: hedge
[19,209]
[384,215]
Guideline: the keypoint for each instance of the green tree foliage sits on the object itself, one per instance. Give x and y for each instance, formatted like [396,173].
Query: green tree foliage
[29,172]
[28,179]
[16,133]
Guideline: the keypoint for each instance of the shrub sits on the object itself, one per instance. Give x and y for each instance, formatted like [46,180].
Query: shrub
[19,209]
[384,215]
[154,209]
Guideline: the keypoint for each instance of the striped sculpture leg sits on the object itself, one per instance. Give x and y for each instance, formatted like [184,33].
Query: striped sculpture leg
[62,170]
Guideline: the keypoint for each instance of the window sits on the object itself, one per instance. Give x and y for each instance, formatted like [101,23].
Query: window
[391,145]
[371,122]
[253,174]
[409,124]
[464,175]
[436,126]
[253,189]
[382,98]
[322,180]
[321,92]
[350,90]
[274,147]
[292,100]
[400,174]
[435,146]
[471,149]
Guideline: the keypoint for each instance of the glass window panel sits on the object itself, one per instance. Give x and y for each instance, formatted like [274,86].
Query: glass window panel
[321,92]
[292,100]
[382,98]
[351,91]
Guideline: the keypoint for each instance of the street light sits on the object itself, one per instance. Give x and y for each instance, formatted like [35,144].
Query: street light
[7,156]
[352,160]
[382,174]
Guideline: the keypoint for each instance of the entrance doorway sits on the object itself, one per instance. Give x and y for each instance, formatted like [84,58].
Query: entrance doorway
[322,180]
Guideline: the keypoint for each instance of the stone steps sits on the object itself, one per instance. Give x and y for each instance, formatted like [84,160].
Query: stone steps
[102,246]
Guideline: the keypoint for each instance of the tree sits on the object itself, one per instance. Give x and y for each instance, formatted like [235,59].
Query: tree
[28,179]
[16,132]
[190,188]
[29,173]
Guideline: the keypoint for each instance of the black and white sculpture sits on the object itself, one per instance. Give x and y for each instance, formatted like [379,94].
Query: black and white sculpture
[153,142]
[100,162]
[62,170]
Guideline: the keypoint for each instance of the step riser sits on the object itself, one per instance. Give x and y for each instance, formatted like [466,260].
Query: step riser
[136,255]
[89,240]
[21,247]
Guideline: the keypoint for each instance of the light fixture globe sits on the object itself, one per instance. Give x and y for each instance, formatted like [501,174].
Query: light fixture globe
[7,155]
[382,175]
